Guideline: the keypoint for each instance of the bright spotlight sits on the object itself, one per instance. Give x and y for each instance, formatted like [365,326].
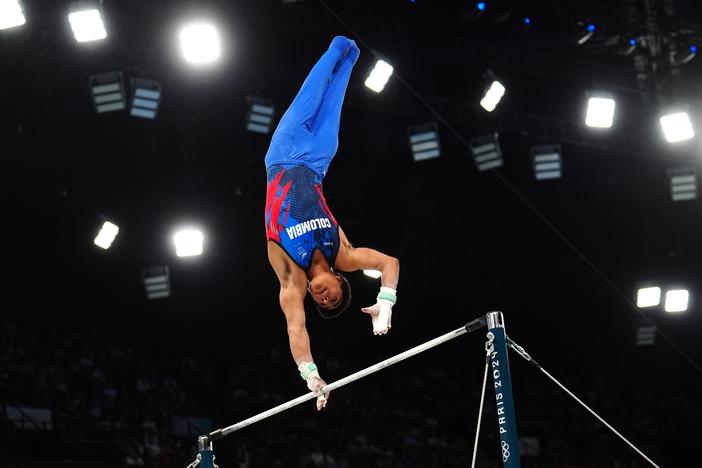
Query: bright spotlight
[493,96]
[648,297]
[676,300]
[677,127]
[11,14]
[379,77]
[372,273]
[106,235]
[600,112]
[188,243]
[200,43]
[87,25]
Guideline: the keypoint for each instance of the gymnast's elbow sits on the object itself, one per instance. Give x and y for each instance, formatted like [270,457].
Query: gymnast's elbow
[395,262]
[392,264]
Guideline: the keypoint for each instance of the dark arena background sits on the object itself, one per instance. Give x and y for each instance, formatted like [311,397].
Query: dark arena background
[584,229]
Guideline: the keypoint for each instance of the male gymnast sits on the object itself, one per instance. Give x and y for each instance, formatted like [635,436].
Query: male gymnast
[306,246]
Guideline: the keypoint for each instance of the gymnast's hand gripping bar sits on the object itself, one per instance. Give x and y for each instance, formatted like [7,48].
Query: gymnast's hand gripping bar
[469,327]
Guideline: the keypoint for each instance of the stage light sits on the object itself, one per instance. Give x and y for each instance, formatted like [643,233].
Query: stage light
[645,333]
[523,22]
[472,14]
[107,90]
[188,242]
[372,273]
[156,281]
[146,98]
[107,235]
[648,297]
[260,115]
[600,110]
[683,183]
[11,14]
[486,152]
[587,31]
[492,96]
[681,57]
[86,22]
[379,76]
[627,45]
[547,161]
[424,141]
[200,43]
[676,300]
[677,127]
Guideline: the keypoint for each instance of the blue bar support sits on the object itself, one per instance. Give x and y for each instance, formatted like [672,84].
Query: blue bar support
[499,363]
[205,454]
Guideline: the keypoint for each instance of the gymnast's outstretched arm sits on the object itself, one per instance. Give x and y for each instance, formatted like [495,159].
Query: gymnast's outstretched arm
[292,303]
[293,288]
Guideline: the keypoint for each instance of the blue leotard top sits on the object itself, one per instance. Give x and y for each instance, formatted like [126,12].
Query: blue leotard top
[297,216]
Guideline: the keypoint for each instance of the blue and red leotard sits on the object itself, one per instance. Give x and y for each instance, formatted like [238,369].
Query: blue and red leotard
[302,147]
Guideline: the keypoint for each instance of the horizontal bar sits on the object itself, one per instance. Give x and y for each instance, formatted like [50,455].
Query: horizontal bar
[471,326]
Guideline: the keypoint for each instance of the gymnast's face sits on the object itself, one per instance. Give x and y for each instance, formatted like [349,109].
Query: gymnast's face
[325,289]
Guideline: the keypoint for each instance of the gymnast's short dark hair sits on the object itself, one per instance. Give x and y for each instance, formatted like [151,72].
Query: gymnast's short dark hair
[343,304]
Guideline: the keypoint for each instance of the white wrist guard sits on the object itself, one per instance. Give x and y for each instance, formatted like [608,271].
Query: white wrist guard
[307,370]
[388,294]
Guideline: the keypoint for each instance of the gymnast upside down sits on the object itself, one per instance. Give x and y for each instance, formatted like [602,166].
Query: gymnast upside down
[306,246]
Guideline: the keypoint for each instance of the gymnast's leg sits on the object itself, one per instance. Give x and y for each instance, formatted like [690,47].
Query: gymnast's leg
[325,125]
[306,104]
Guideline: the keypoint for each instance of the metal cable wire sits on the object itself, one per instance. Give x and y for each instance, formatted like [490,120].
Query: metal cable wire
[519,350]
[480,411]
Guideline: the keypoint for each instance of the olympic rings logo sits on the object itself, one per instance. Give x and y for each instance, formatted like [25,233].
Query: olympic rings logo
[505,451]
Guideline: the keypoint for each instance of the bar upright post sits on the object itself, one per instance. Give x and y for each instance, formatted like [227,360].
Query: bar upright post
[506,418]
[205,454]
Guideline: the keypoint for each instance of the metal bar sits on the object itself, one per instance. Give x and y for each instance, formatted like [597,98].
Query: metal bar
[471,326]
[506,418]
